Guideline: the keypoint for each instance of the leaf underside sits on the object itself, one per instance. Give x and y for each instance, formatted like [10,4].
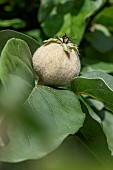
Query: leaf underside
[97,85]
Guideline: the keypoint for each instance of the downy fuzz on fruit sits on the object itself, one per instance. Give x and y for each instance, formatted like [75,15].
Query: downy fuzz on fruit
[57,62]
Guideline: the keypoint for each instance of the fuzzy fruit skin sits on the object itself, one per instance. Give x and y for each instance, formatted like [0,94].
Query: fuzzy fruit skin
[54,66]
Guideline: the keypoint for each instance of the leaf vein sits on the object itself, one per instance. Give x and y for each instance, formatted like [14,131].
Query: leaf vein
[52,110]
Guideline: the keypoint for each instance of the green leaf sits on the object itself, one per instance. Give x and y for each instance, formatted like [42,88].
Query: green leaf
[99,66]
[5,35]
[101,39]
[57,113]
[105,17]
[35,33]
[97,104]
[69,17]
[97,85]
[15,23]
[92,135]
[75,24]
[2,1]
[106,124]
[2,130]
[108,129]
[45,9]
[91,56]
[16,72]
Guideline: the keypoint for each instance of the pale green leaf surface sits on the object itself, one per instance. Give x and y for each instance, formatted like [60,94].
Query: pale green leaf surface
[5,35]
[57,113]
[98,85]
[16,72]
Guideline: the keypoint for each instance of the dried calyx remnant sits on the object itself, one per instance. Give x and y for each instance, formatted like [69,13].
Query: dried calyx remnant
[57,61]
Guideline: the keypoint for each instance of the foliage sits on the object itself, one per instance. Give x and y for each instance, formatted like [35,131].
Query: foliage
[35,119]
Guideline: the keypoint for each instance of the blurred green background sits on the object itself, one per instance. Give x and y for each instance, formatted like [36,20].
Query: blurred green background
[89,24]
[71,155]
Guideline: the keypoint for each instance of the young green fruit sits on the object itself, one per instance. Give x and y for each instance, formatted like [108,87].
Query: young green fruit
[56,66]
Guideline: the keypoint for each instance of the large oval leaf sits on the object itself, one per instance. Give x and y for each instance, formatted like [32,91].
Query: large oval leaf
[97,85]
[5,35]
[51,116]
[16,72]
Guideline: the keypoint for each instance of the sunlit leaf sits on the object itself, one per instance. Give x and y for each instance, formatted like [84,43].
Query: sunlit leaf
[69,17]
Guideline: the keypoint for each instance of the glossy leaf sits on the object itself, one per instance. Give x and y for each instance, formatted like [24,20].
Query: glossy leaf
[52,114]
[5,35]
[97,85]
